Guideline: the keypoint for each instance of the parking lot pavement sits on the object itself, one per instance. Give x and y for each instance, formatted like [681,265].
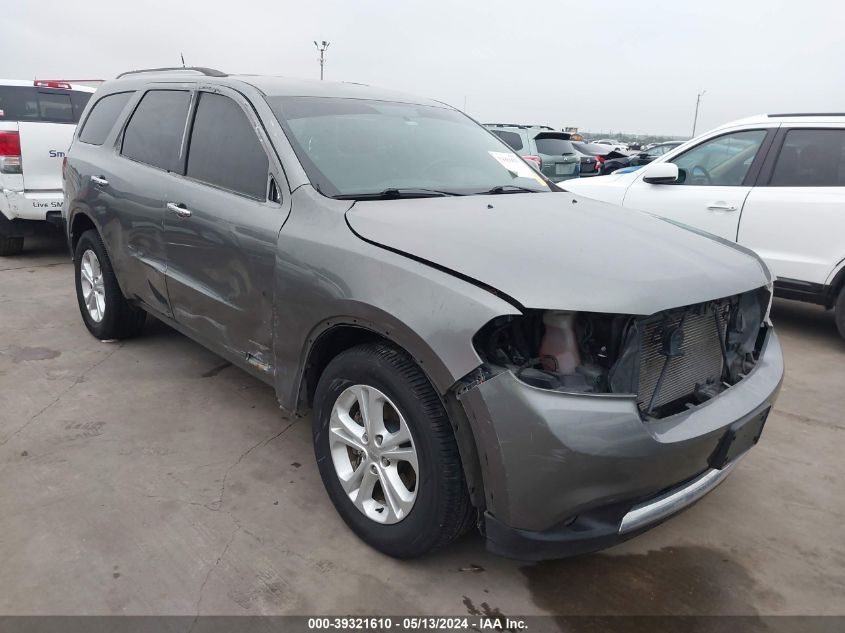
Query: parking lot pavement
[151,477]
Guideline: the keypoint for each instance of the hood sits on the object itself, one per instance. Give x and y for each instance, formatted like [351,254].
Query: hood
[561,251]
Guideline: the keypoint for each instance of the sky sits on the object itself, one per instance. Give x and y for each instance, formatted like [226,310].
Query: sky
[607,65]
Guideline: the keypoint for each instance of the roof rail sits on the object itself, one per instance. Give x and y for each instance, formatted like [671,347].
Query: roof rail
[208,72]
[787,114]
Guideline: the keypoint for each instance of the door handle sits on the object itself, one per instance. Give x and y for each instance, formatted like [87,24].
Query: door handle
[100,180]
[179,210]
[721,206]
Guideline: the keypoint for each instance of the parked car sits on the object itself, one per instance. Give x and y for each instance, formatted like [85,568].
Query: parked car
[619,146]
[773,183]
[639,159]
[599,152]
[550,151]
[37,119]
[590,162]
[475,345]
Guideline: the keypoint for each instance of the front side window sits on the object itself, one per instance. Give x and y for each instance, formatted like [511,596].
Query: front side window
[224,149]
[154,133]
[102,118]
[722,161]
[360,147]
[811,158]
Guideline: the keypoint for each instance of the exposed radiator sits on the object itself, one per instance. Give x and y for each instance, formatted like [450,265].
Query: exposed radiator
[694,357]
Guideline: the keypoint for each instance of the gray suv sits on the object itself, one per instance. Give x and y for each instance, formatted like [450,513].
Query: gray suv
[550,152]
[476,346]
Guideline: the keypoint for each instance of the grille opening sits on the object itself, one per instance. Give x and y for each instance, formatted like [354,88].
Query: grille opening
[689,355]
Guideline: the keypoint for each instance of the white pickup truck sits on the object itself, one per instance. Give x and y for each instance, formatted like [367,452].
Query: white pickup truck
[773,183]
[37,121]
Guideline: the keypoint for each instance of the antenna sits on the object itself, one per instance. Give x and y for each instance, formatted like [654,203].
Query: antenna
[183,59]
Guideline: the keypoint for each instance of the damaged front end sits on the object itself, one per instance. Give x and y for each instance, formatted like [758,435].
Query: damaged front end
[671,361]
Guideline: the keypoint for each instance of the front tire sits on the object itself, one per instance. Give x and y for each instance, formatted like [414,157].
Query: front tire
[839,312]
[104,309]
[387,453]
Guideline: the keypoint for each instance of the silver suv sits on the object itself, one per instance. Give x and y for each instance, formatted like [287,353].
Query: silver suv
[477,346]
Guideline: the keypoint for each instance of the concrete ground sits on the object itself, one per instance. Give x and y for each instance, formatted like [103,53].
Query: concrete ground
[150,477]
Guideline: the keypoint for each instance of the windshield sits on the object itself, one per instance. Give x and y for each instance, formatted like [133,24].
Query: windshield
[352,147]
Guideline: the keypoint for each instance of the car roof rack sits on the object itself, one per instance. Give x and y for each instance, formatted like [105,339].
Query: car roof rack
[788,114]
[520,126]
[208,72]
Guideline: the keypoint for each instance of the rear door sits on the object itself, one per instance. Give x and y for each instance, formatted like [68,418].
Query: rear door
[132,190]
[715,178]
[222,227]
[559,160]
[795,216]
[46,121]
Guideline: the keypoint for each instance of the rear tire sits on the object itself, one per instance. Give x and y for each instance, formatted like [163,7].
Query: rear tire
[10,246]
[440,509]
[106,312]
[839,312]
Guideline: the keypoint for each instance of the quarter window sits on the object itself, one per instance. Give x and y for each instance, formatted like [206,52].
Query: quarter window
[722,161]
[224,150]
[511,138]
[102,117]
[811,158]
[154,133]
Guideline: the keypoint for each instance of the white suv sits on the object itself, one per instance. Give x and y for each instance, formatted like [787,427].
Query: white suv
[37,121]
[774,183]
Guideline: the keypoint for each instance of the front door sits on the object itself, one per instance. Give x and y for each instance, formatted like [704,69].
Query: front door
[712,185]
[221,227]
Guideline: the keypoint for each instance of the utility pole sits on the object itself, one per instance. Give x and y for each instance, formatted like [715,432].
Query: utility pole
[322,48]
[695,119]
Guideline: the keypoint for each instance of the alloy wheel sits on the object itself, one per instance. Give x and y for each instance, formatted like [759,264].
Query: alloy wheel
[373,454]
[93,287]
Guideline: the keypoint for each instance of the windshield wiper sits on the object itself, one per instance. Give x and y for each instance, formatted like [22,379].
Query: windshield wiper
[507,189]
[396,193]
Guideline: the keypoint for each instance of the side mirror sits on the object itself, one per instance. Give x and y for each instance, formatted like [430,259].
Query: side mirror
[661,173]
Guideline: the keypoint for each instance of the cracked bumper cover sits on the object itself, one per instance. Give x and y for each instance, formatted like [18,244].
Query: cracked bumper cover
[567,474]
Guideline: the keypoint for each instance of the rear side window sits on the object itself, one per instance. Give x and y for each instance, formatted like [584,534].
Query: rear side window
[811,158]
[31,104]
[224,150]
[102,117]
[553,145]
[154,133]
[511,138]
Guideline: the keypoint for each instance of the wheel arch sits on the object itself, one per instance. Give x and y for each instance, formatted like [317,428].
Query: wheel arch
[79,222]
[335,336]
[837,282]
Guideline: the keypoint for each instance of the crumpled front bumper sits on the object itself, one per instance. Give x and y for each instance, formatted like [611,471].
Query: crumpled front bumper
[566,474]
